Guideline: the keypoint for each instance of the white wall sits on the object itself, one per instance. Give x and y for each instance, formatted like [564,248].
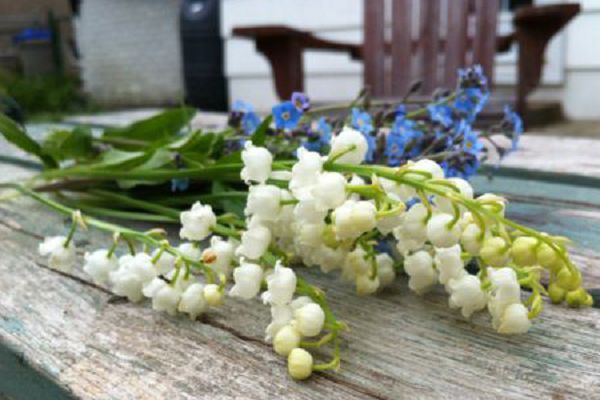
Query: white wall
[572,62]
[581,99]
[130,51]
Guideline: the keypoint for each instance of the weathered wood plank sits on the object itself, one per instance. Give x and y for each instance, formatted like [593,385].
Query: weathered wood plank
[400,345]
[560,154]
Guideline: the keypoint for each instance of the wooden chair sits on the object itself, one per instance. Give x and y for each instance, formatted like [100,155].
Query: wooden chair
[421,46]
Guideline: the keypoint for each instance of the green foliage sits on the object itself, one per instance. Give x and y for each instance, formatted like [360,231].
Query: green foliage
[14,134]
[43,94]
[163,126]
[259,136]
[75,144]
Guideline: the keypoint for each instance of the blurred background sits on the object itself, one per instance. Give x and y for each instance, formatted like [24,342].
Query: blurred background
[81,56]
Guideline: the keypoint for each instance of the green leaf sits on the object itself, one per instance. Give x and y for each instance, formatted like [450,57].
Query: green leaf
[115,158]
[158,127]
[231,205]
[65,145]
[157,159]
[14,134]
[232,158]
[259,136]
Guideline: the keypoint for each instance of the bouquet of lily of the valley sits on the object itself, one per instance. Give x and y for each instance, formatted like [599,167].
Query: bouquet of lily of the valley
[268,198]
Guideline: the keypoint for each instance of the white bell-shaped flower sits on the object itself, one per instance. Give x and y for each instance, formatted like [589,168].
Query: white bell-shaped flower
[419,268]
[310,319]
[197,223]
[464,188]
[192,301]
[306,211]
[133,274]
[247,278]
[471,239]
[344,141]
[442,231]
[449,263]
[165,263]
[281,285]
[310,234]
[281,315]
[190,250]
[60,258]
[305,173]
[514,320]
[406,242]
[385,269]
[264,202]
[356,263]
[255,242]
[257,163]
[466,294]
[415,222]
[504,292]
[330,191]
[353,218]
[98,265]
[397,191]
[219,256]
[165,297]
[428,166]
[329,259]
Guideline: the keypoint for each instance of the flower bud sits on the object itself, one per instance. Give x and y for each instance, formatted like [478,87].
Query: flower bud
[300,363]
[328,236]
[523,251]
[365,285]
[286,339]
[471,239]
[546,255]
[310,319]
[577,297]
[443,231]
[567,280]
[494,252]
[213,295]
[556,293]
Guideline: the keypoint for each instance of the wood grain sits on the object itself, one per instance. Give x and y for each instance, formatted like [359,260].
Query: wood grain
[400,345]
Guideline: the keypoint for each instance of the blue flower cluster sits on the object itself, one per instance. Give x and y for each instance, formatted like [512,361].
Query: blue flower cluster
[442,130]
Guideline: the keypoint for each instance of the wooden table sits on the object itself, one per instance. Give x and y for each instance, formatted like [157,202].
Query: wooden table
[62,337]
